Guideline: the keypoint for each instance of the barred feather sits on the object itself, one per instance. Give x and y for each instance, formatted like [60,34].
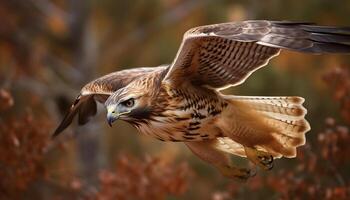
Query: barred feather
[281,117]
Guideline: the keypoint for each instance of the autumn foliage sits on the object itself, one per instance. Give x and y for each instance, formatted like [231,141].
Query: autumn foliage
[50,48]
[148,178]
[23,142]
[339,82]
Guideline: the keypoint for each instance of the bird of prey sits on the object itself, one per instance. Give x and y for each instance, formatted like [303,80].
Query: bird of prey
[182,102]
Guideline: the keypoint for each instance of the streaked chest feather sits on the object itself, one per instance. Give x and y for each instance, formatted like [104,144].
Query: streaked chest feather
[186,118]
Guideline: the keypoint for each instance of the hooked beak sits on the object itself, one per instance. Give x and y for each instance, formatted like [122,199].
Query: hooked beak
[111,117]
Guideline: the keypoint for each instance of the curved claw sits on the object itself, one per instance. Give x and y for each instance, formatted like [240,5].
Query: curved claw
[266,161]
[260,158]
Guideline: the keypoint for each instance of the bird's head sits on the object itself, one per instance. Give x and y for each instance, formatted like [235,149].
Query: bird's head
[130,103]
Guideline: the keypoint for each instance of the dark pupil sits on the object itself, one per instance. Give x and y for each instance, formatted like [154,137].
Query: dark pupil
[129,102]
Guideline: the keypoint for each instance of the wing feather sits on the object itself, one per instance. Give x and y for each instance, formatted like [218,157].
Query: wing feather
[222,55]
[99,90]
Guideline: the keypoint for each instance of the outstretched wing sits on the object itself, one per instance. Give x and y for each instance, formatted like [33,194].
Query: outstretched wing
[223,55]
[99,90]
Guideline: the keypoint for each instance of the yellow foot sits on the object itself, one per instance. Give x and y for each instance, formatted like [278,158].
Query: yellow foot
[241,174]
[260,158]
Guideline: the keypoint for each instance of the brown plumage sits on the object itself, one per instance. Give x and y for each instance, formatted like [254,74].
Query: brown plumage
[181,102]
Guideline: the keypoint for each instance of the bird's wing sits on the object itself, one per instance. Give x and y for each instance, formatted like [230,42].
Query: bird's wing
[99,90]
[222,55]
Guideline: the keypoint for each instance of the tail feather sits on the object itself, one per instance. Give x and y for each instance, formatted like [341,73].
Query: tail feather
[283,105]
[285,115]
[279,110]
[289,127]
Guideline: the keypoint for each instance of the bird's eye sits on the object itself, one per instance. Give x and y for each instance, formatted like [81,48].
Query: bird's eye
[129,103]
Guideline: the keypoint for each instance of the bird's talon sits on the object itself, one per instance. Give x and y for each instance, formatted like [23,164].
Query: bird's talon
[260,158]
[266,159]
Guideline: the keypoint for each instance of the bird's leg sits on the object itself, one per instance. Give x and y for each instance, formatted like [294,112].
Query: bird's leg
[259,158]
[206,151]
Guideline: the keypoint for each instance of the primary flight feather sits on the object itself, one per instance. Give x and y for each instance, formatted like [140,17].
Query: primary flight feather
[181,102]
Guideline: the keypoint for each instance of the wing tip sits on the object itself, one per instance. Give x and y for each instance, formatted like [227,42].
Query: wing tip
[68,118]
[63,125]
[56,133]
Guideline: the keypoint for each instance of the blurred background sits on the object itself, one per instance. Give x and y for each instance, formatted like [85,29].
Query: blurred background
[50,48]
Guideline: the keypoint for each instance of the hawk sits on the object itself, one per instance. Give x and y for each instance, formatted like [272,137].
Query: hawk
[181,102]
